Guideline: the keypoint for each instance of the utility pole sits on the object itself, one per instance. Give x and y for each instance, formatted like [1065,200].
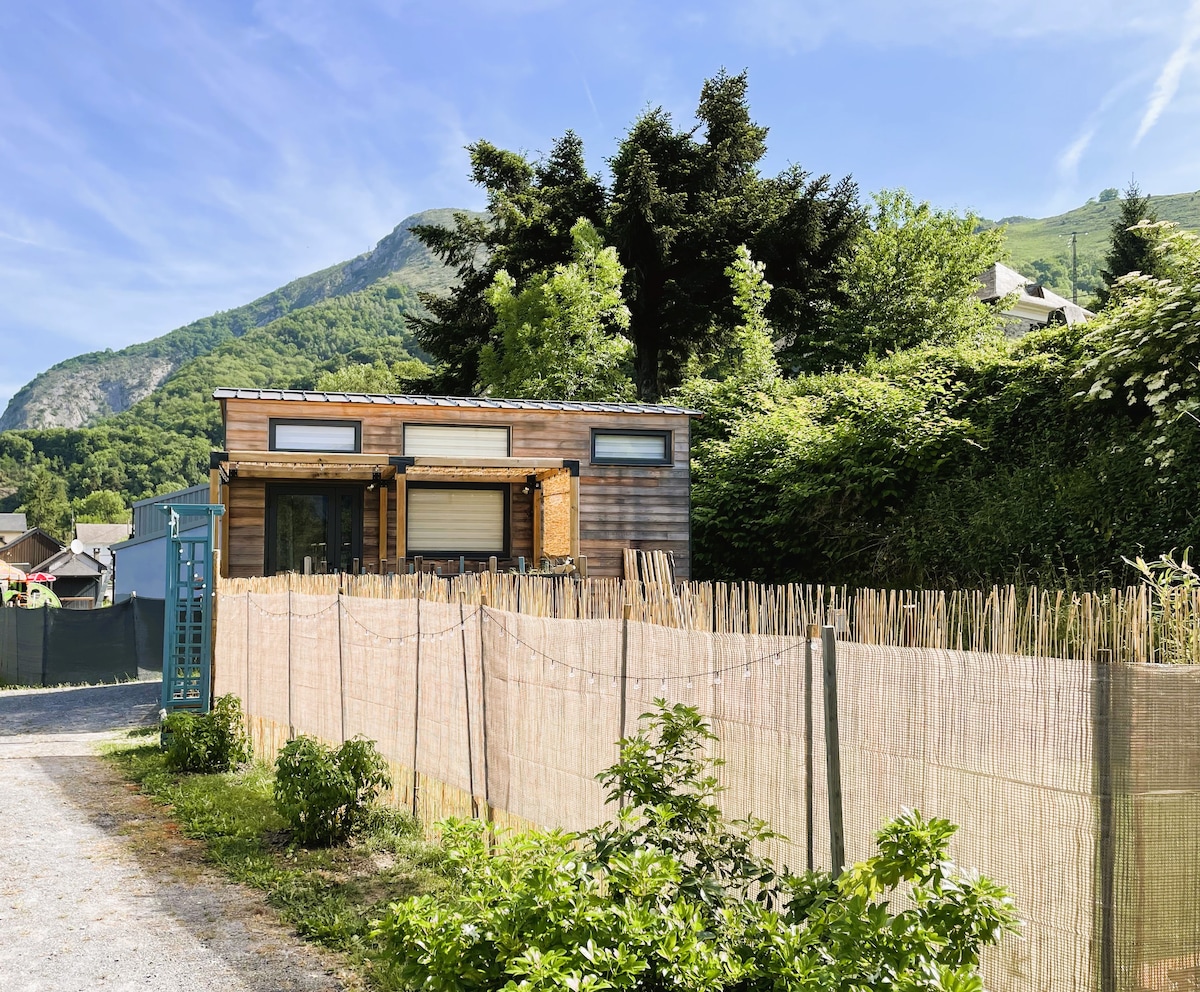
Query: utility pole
[1074,269]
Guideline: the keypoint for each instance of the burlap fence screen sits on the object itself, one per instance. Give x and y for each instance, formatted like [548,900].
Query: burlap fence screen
[1075,783]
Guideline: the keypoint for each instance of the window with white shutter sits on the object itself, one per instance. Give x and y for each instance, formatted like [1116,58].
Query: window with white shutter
[457,519]
[444,441]
[631,447]
[341,436]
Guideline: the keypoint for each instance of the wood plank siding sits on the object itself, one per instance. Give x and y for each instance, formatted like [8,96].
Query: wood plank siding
[619,506]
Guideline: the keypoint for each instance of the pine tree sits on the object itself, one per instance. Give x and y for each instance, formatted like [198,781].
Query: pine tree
[681,202]
[1128,250]
[532,208]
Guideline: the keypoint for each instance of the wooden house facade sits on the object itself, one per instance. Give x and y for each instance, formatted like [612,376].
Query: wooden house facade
[339,481]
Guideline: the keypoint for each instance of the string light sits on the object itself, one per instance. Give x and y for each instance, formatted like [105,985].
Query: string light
[535,653]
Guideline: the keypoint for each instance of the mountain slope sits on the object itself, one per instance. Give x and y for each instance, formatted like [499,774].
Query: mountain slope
[91,387]
[1041,248]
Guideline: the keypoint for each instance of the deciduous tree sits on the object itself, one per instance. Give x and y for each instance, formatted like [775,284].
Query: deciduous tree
[559,337]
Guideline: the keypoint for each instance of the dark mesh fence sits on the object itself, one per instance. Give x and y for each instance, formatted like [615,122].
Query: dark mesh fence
[50,647]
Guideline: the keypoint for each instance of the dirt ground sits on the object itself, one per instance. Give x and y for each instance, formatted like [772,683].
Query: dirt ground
[98,890]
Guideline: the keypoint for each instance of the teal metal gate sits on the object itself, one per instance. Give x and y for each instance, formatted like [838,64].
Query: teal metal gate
[188,611]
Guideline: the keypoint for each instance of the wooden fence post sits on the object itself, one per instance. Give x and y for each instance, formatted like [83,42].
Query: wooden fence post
[626,609]
[833,750]
[416,698]
[462,623]
[813,632]
[291,720]
[487,795]
[341,656]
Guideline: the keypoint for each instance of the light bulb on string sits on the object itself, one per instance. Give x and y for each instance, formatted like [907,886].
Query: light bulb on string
[746,673]
[716,679]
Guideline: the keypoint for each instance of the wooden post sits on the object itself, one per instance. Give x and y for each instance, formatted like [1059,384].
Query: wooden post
[833,750]
[462,625]
[814,633]
[574,516]
[341,653]
[535,496]
[416,700]
[383,527]
[487,795]
[626,609]
[219,493]
[581,566]
[401,521]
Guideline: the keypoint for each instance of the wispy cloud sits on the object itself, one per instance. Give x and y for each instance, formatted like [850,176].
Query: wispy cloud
[1169,77]
[1068,161]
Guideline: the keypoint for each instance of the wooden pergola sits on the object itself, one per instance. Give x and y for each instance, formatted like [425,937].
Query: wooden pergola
[553,483]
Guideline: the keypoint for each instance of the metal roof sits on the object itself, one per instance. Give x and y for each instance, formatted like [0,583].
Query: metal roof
[13,521]
[102,535]
[467,402]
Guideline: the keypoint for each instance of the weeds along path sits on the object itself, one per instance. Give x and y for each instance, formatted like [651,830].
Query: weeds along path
[97,890]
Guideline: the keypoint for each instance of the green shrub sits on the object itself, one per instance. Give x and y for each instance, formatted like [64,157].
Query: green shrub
[671,896]
[326,793]
[213,742]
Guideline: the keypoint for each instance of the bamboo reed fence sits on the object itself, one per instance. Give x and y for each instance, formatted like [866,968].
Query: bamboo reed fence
[1135,624]
[1045,724]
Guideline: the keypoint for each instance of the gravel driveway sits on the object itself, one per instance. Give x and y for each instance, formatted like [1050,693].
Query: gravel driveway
[97,890]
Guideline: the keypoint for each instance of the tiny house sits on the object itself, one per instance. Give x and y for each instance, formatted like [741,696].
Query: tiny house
[345,481]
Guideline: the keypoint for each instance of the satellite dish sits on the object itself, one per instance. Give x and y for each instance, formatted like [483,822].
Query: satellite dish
[76,547]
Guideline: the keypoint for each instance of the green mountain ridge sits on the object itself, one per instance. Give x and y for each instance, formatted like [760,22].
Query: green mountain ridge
[89,388]
[1040,248]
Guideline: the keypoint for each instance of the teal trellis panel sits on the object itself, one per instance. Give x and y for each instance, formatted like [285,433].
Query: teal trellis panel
[187,620]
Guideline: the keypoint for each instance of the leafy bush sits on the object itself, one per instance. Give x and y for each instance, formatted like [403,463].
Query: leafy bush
[213,742]
[671,896]
[325,793]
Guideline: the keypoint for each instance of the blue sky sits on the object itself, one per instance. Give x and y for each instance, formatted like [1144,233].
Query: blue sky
[161,160]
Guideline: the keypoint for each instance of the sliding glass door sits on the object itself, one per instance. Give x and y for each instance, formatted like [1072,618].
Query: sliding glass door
[323,523]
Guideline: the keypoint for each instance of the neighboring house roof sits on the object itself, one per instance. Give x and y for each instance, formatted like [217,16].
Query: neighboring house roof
[1035,303]
[13,522]
[102,535]
[34,546]
[469,402]
[68,565]
[186,524]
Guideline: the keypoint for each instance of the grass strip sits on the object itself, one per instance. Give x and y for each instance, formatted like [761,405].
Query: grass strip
[329,895]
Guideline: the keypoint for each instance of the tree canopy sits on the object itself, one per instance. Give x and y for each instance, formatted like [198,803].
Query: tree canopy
[680,202]
[560,336]
[912,277]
